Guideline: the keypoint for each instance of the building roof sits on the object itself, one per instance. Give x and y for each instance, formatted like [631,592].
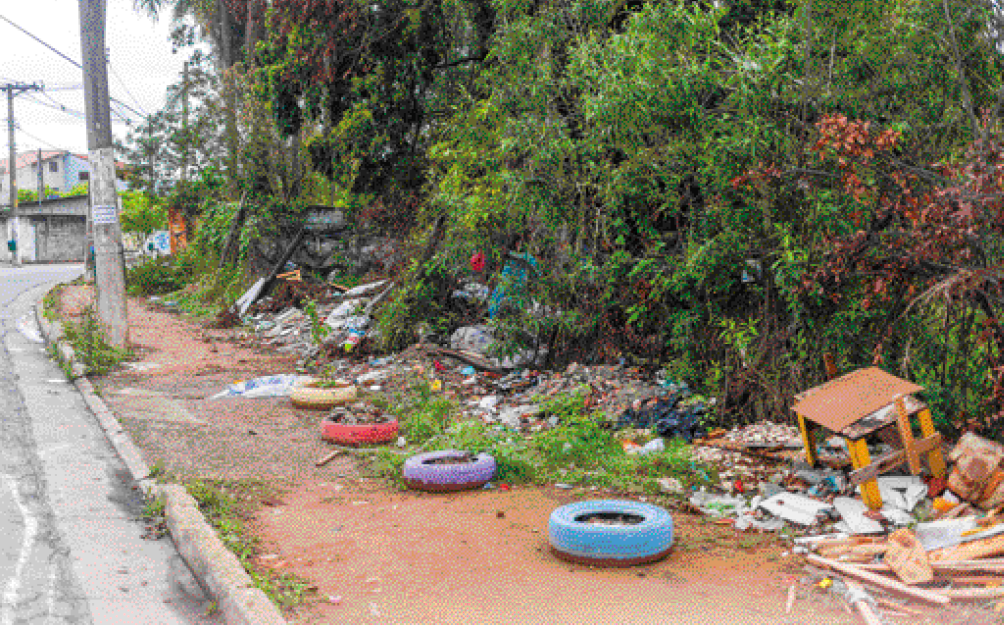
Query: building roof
[26,159]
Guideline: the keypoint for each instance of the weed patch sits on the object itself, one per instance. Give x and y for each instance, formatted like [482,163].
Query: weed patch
[228,506]
[580,450]
[87,336]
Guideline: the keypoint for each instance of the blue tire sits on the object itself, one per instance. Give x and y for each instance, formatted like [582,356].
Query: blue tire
[426,471]
[646,536]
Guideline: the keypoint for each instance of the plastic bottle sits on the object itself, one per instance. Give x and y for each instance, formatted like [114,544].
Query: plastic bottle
[354,338]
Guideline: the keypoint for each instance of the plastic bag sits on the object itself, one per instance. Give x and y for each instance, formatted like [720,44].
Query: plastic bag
[268,386]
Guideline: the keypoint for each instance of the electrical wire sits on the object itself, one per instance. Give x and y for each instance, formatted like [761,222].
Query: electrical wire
[41,42]
[75,64]
[129,93]
[31,136]
[58,107]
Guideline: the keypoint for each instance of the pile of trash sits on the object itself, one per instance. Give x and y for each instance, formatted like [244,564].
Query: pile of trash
[934,540]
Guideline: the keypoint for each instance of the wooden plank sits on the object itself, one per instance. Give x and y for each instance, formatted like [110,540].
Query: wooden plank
[808,441]
[892,605]
[880,581]
[935,459]
[972,594]
[861,459]
[979,580]
[329,457]
[906,435]
[946,568]
[878,466]
[907,558]
[973,550]
[881,418]
[927,444]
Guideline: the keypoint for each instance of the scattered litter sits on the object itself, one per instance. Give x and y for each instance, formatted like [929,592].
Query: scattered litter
[269,386]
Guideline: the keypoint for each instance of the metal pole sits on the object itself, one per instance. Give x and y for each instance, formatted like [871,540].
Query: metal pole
[109,272]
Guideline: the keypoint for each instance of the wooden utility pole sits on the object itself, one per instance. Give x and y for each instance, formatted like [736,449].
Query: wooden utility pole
[109,272]
[12,90]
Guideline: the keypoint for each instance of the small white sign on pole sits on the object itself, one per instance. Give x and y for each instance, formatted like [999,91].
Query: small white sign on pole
[104,214]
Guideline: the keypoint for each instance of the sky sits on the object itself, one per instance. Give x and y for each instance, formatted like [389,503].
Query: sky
[142,66]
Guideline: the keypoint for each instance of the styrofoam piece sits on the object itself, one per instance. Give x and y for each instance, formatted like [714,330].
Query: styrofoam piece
[944,533]
[898,516]
[891,497]
[794,507]
[899,482]
[809,540]
[852,511]
[915,494]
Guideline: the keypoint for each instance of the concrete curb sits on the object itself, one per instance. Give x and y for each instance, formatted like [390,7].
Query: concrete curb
[217,569]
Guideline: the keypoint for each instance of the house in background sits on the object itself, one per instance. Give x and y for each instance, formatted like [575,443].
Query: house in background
[61,171]
[53,230]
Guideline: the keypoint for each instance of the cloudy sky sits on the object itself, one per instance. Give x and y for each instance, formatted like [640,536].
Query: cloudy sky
[141,62]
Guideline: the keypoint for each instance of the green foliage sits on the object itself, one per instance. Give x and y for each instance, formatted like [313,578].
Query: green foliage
[141,214]
[580,450]
[28,196]
[156,276]
[425,414]
[79,189]
[318,329]
[88,338]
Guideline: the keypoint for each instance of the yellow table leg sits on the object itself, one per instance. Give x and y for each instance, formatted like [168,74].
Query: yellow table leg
[906,436]
[808,440]
[935,459]
[860,458]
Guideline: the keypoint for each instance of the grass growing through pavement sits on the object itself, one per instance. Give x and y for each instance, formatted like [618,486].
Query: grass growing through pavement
[228,506]
[87,336]
[580,450]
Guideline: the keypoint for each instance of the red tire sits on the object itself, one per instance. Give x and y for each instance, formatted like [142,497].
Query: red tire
[364,433]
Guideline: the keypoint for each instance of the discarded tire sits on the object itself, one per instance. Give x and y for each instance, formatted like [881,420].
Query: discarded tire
[358,434]
[448,470]
[309,395]
[608,532]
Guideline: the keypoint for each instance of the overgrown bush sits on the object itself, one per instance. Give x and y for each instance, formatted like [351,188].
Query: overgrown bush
[156,276]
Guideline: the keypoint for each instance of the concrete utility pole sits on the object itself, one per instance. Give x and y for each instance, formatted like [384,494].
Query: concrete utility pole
[41,176]
[12,90]
[109,272]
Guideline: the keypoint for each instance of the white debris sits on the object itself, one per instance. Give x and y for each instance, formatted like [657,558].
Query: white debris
[795,508]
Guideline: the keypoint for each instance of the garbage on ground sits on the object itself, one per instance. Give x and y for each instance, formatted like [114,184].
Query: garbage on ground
[269,386]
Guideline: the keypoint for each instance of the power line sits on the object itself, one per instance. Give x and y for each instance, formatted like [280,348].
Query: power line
[58,107]
[75,63]
[41,42]
[42,141]
[129,93]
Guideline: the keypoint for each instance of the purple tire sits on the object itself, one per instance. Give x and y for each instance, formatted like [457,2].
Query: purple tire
[424,472]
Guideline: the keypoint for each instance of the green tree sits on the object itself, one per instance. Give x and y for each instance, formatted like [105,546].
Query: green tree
[141,214]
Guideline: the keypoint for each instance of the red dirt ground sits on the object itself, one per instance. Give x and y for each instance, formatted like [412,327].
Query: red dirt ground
[408,557]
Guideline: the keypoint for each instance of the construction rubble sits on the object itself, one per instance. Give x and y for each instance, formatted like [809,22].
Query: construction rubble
[933,541]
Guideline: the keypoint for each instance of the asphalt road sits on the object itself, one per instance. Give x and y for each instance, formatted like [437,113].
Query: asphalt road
[70,533]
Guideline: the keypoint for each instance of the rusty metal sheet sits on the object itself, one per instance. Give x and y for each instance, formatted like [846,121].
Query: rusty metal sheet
[844,400]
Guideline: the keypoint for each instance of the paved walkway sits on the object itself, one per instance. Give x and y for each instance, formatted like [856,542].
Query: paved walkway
[70,540]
